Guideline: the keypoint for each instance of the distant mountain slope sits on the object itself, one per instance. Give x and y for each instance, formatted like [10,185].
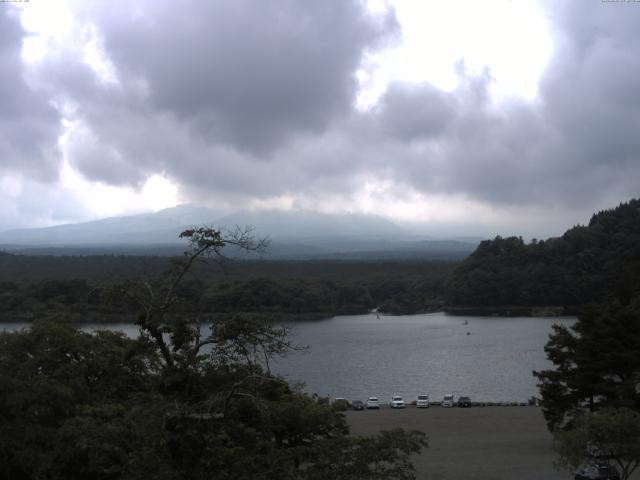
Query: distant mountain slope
[586,264]
[308,224]
[301,235]
[350,249]
[151,228]
[165,225]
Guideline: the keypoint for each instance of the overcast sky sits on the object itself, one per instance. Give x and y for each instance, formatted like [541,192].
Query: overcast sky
[507,117]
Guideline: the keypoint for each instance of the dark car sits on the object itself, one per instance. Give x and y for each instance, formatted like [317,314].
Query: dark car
[464,402]
[597,471]
[357,405]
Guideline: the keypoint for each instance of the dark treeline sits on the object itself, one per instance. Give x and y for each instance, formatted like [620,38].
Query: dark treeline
[178,402]
[32,285]
[558,275]
[598,261]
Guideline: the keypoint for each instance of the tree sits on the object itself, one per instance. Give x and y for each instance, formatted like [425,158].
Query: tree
[597,363]
[608,433]
[586,263]
[49,375]
[183,400]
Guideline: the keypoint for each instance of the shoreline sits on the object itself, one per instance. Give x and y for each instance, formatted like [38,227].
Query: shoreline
[115,318]
[512,311]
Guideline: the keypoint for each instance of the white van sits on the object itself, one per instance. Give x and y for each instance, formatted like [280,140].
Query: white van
[447,401]
[423,401]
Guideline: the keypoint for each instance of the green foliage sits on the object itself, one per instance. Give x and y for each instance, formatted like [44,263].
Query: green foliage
[349,458]
[179,402]
[291,290]
[609,433]
[596,363]
[598,261]
[48,374]
[290,296]
[590,399]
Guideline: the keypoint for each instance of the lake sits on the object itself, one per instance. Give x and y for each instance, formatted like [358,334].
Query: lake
[361,355]
[356,356]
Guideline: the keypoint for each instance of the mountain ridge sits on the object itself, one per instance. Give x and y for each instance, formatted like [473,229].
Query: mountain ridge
[293,234]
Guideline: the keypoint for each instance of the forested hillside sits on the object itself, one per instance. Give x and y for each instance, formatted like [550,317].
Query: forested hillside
[32,286]
[503,275]
[601,260]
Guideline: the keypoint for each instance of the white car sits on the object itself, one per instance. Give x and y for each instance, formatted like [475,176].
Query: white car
[423,401]
[396,402]
[372,402]
[447,401]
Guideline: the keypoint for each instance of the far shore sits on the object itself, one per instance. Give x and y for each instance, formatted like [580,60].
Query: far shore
[512,311]
[93,317]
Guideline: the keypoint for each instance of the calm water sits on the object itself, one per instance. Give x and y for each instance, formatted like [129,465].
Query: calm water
[360,355]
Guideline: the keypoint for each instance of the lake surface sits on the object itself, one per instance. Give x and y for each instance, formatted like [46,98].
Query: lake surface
[361,355]
[358,356]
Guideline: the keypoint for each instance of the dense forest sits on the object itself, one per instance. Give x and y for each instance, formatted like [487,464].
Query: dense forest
[31,286]
[503,275]
[597,261]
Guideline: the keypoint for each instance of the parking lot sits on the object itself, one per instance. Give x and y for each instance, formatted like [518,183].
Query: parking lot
[488,443]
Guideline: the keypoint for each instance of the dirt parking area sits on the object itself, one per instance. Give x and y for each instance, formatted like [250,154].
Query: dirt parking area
[488,443]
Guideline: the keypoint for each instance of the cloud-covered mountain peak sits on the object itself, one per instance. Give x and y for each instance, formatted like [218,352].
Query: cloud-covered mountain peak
[306,224]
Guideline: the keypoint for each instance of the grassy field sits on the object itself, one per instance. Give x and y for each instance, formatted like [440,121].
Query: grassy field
[484,443]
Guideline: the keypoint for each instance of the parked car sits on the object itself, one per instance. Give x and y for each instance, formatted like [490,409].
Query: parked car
[372,402]
[423,401]
[357,405]
[396,402]
[464,402]
[597,471]
[447,401]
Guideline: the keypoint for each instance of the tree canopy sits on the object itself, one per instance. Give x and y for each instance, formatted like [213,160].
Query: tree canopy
[587,263]
[184,400]
[596,363]
[609,434]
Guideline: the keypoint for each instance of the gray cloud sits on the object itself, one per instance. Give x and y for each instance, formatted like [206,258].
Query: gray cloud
[413,113]
[245,73]
[29,126]
[242,100]
[591,98]
[577,146]
[211,92]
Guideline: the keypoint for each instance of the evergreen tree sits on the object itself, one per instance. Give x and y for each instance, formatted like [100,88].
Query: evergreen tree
[597,363]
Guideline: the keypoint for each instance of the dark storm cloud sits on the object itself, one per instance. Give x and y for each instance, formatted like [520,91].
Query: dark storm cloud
[29,126]
[210,91]
[245,73]
[458,142]
[591,88]
[243,100]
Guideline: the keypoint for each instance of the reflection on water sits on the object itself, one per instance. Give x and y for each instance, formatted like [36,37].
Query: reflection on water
[489,358]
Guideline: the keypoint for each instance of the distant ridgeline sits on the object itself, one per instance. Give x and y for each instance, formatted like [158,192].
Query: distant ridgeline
[557,276]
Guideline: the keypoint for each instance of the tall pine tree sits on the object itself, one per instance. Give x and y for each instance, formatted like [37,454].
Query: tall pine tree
[597,363]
